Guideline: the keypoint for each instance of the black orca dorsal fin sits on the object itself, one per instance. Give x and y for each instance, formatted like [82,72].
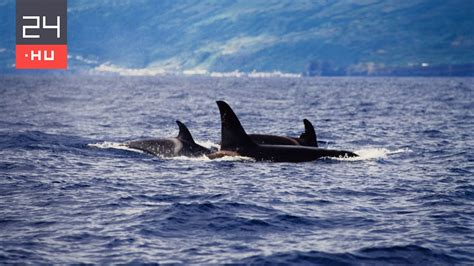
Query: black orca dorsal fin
[184,133]
[233,134]
[309,135]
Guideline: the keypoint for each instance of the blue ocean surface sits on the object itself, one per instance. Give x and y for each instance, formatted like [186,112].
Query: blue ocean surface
[70,194]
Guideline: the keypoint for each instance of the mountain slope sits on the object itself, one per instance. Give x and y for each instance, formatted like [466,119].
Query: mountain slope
[289,36]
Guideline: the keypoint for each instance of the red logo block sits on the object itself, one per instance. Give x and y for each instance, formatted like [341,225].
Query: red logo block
[41,56]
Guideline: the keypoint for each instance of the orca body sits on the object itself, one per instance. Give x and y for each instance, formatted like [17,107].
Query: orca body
[308,138]
[182,145]
[235,141]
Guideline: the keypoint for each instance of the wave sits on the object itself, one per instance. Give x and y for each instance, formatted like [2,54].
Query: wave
[35,139]
[254,74]
[123,71]
[204,158]
[160,71]
[112,145]
[372,153]
[404,255]
[232,218]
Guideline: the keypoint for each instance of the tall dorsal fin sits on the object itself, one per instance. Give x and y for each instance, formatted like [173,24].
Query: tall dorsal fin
[184,133]
[309,135]
[233,134]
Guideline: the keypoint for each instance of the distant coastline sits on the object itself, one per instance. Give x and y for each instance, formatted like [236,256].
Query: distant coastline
[324,69]
[462,70]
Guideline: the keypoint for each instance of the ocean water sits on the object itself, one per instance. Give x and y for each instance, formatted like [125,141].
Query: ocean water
[68,194]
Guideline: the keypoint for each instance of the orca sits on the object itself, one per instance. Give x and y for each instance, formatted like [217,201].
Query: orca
[182,145]
[236,142]
[307,138]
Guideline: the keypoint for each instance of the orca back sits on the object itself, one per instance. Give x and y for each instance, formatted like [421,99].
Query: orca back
[307,138]
[273,140]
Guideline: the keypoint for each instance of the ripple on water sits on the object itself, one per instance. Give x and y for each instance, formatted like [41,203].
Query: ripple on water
[70,194]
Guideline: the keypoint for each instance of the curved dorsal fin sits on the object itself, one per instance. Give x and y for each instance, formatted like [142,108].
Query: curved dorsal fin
[184,133]
[309,135]
[233,134]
